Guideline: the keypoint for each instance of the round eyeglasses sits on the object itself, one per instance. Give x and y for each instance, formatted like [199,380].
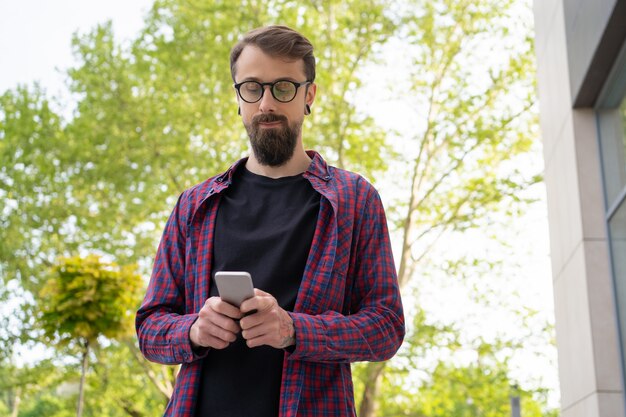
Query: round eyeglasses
[282,90]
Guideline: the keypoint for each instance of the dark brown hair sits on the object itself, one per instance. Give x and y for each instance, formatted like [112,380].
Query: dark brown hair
[277,41]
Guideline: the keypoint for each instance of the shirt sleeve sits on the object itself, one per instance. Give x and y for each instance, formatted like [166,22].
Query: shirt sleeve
[374,330]
[161,323]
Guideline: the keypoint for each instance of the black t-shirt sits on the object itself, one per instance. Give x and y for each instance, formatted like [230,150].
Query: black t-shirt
[264,226]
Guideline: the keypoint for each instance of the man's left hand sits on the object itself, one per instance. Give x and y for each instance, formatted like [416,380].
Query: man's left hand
[269,325]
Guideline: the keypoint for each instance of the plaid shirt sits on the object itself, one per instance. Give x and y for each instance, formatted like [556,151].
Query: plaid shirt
[348,306]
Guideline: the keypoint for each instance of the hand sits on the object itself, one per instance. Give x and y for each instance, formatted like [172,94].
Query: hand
[216,326]
[269,325]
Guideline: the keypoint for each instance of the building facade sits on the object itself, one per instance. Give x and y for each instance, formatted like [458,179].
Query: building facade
[581,68]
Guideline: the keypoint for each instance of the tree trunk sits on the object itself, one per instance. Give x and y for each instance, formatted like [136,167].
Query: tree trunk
[81,388]
[164,381]
[17,398]
[369,403]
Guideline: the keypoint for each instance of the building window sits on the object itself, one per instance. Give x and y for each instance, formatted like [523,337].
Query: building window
[612,124]
[617,228]
[611,116]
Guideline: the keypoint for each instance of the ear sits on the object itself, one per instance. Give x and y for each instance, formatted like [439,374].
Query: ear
[310,94]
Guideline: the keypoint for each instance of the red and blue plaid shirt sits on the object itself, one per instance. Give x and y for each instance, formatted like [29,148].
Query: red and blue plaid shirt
[348,307]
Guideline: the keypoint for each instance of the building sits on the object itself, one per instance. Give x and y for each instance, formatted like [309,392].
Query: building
[581,66]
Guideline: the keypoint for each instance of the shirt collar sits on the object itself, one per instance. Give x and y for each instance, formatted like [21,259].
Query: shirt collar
[318,169]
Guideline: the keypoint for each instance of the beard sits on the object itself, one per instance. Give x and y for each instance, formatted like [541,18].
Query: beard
[274,146]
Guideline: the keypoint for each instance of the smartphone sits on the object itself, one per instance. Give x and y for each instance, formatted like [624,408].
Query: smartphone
[234,287]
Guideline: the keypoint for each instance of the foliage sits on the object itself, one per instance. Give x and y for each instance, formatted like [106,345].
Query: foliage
[121,383]
[471,86]
[33,206]
[86,298]
[160,115]
[20,385]
[436,374]
[473,93]
[117,375]
[50,405]
[475,389]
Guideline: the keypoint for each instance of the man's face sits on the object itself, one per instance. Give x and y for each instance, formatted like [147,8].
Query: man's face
[274,127]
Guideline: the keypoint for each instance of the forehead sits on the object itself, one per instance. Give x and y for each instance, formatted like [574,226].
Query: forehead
[255,64]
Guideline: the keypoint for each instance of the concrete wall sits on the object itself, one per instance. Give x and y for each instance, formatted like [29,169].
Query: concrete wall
[590,371]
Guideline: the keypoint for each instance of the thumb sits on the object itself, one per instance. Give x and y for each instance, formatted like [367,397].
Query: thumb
[261,293]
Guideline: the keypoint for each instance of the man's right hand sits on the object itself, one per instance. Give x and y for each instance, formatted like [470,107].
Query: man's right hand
[216,326]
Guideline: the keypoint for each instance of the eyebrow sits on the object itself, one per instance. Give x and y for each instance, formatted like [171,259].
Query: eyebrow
[258,80]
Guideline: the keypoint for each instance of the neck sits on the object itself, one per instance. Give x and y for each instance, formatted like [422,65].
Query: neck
[298,163]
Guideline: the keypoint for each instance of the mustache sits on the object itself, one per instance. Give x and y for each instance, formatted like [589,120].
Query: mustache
[268,118]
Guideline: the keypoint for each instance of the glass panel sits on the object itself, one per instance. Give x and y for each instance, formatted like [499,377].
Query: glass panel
[612,123]
[617,227]
[622,110]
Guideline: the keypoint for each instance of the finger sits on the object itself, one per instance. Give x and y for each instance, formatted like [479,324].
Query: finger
[221,333]
[222,307]
[258,303]
[258,340]
[215,343]
[222,328]
[252,343]
[208,315]
[262,340]
[261,293]
[249,334]
[225,323]
[208,335]
[256,331]
[250,305]
[248,322]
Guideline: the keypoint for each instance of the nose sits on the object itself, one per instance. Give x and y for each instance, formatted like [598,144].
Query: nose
[268,102]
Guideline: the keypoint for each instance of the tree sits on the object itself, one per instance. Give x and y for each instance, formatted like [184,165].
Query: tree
[438,374]
[478,388]
[125,390]
[155,118]
[118,376]
[475,108]
[19,384]
[86,298]
[32,184]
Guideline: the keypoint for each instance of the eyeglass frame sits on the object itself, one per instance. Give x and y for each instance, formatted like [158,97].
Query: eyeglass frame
[271,85]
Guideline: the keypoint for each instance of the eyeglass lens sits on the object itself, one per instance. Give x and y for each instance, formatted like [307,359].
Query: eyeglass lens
[283,91]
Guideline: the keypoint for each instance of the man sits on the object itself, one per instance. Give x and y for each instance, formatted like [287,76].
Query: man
[315,241]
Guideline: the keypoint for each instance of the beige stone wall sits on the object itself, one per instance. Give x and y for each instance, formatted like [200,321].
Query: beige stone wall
[590,369]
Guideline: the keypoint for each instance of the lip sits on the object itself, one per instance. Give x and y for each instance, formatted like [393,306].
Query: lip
[269,125]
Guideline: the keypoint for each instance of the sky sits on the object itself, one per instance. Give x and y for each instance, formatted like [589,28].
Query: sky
[35,35]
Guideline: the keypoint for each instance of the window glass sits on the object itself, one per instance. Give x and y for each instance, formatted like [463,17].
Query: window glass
[611,117]
[612,123]
[617,227]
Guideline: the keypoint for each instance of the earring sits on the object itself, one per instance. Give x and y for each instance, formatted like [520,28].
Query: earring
[239,111]
[307,109]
